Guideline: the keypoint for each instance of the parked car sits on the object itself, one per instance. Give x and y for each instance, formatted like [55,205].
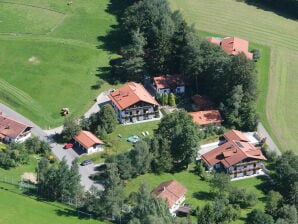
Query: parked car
[85,162]
[68,146]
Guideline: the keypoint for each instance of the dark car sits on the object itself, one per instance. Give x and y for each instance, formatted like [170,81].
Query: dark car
[85,162]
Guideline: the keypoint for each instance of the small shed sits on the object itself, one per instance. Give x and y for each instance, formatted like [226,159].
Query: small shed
[88,142]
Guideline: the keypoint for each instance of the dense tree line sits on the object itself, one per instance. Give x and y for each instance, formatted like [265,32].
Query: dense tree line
[288,6]
[159,41]
[58,180]
[15,154]
[173,147]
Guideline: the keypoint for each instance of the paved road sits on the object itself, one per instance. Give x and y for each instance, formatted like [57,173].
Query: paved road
[57,149]
[269,140]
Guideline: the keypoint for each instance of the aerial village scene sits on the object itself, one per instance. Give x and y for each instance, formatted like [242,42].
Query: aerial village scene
[148,112]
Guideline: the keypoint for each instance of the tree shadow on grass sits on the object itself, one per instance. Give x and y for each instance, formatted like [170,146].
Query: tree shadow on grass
[286,13]
[266,185]
[203,195]
[115,39]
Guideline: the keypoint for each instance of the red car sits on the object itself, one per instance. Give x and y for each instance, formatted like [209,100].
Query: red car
[68,146]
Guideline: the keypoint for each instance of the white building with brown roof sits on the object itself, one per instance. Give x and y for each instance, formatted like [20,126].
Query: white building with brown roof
[236,156]
[172,192]
[169,83]
[88,142]
[13,131]
[133,103]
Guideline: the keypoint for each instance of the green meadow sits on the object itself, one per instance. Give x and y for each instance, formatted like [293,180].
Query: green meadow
[50,54]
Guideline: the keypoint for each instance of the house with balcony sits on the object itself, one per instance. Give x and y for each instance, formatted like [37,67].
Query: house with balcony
[168,83]
[235,155]
[13,131]
[172,192]
[133,103]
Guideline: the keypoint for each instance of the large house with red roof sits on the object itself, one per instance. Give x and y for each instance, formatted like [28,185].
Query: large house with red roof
[169,83]
[232,45]
[133,103]
[172,192]
[235,155]
[13,131]
[88,142]
[205,118]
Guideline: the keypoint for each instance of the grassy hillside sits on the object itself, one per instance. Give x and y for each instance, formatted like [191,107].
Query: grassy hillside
[234,18]
[50,54]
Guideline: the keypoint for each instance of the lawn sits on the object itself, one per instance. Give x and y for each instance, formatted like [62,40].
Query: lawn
[57,65]
[280,34]
[198,191]
[116,144]
[29,210]
[16,17]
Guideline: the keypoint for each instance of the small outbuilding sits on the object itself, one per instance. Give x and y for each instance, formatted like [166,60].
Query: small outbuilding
[88,142]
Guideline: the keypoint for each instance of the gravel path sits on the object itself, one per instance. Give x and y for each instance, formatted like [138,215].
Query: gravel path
[269,140]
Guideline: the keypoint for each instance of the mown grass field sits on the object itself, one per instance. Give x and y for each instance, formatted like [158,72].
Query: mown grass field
[29,210]
[198,191]
[234,18]
[50,55]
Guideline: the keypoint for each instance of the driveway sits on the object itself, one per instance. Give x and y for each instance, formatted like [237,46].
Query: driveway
[269,140]
[57,149]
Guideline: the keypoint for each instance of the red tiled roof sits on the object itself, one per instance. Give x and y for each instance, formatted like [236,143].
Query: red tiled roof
[130,94]
[206,117]
[235,135]
[11,128]
[168,81]
[171,191]
[235,45]
[87,139]
[232,152]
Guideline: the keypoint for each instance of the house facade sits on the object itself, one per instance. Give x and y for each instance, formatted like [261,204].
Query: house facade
[205,118]
[13,131]
[235,155]
[88,142]
[172,192]
[168,83]
[133,103]
[232,45]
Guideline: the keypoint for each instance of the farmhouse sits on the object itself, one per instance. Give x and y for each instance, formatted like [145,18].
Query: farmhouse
[169,83]
[207,117]
[171,191]
[88,142]
[13,131]
[235,156]
[133,103]
[232,45]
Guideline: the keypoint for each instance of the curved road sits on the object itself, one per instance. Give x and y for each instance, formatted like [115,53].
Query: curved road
[57,149]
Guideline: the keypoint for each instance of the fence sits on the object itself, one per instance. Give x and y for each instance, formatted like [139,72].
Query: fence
[26,188]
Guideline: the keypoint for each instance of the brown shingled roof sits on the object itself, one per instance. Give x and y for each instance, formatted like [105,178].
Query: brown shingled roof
[204,117]
[232,152]
[171,191]
[130,94]
[168,81]
[87,139]
[11,128]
